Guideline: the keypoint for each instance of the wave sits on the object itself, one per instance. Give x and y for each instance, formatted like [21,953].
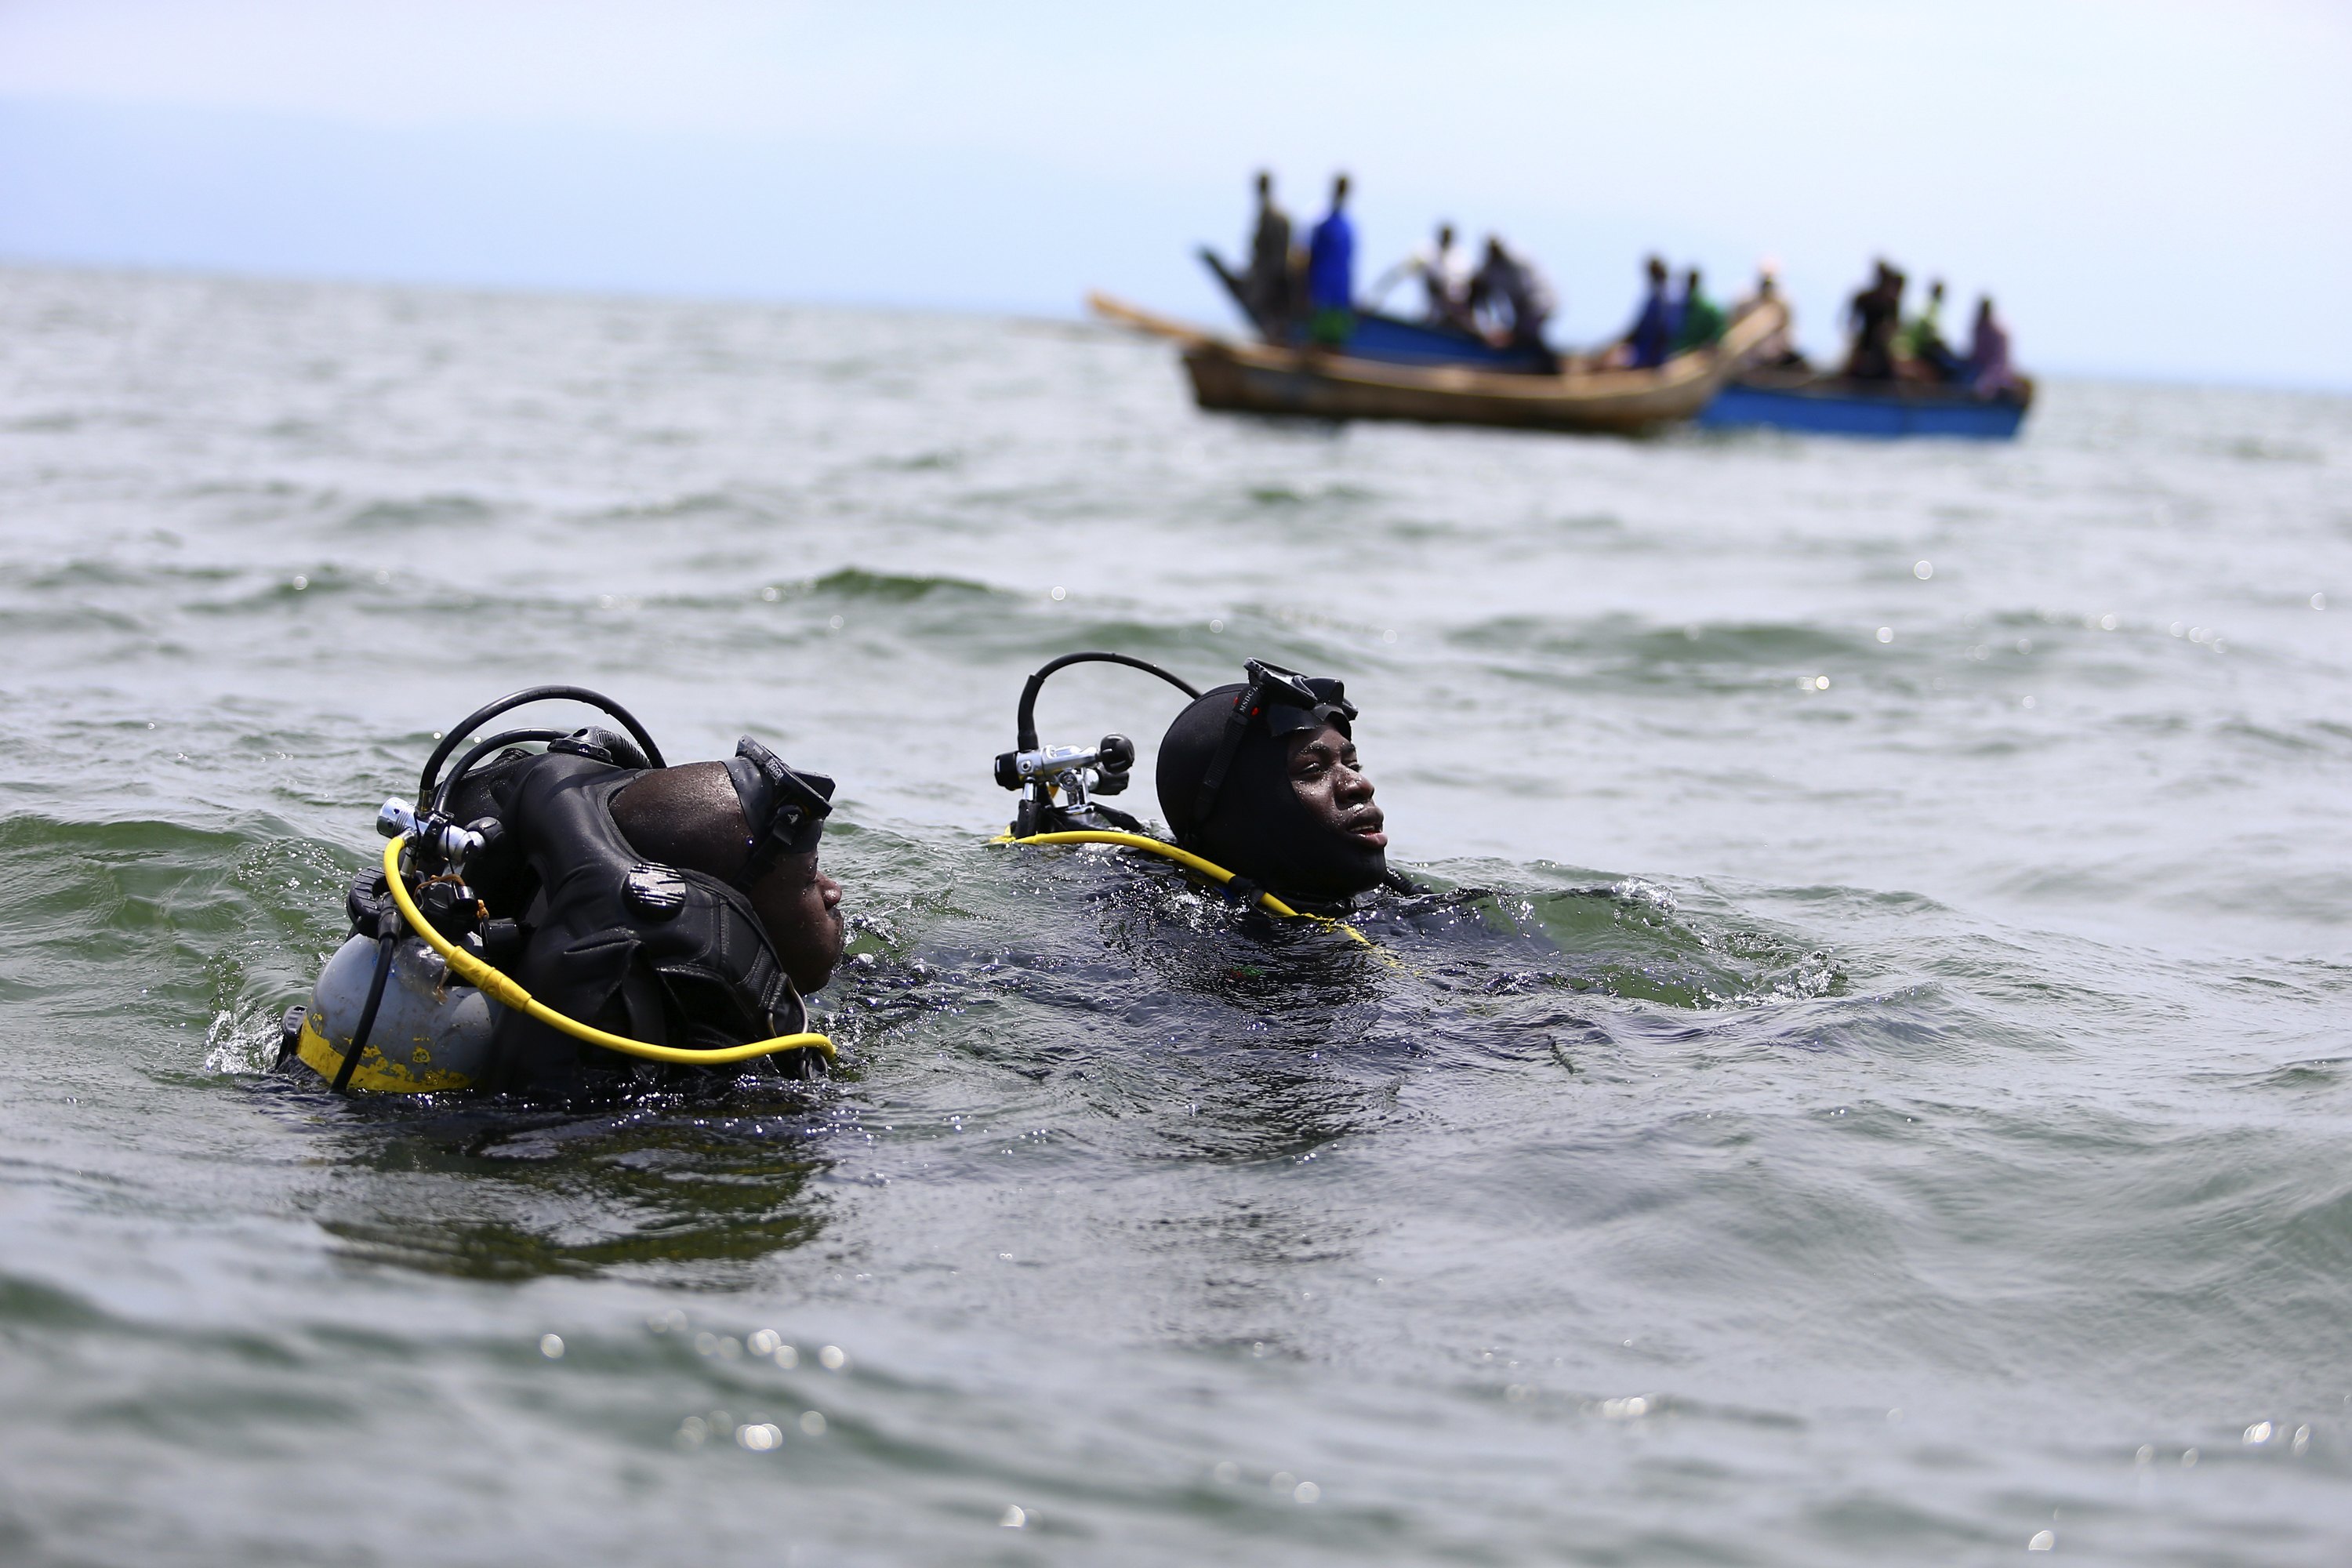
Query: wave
[445,510]
[858,582]
[134,932]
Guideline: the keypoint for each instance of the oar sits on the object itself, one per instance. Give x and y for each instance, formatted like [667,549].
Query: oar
[1143,321]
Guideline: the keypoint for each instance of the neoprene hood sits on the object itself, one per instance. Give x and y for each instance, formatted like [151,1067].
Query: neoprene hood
[1223,778]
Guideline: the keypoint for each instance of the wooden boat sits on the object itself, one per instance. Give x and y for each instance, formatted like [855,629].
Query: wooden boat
[1394,339]
[1799,400]
[1318,383]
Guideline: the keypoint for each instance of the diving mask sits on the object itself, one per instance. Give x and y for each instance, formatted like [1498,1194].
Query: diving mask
[1288,702]
[786,808]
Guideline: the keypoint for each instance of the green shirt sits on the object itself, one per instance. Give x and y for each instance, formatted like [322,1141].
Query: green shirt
[1920,330]
[1702,323]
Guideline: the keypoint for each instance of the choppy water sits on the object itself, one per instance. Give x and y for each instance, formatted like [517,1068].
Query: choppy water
[1875,1121]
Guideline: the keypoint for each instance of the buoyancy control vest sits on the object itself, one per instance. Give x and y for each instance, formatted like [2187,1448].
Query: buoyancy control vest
[661,953]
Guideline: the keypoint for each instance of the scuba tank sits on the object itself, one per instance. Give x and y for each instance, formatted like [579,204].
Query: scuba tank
[539,887]
[387,1016]
[419,1031]
[426,1034]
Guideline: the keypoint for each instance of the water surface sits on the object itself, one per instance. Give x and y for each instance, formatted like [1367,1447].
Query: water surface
[1892,1105]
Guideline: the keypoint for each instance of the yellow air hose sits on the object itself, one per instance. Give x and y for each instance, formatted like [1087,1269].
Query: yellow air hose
[1183,857]
[501,989]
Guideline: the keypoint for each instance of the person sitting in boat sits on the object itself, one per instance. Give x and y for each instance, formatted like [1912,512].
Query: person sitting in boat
[1872,316]
[1987,369]
[1262,778]
[1699,320]
[1332,274]
[1776,350]
[1515,299]
[1920,347]
[1652,337]
[1444,269]
[1265,288]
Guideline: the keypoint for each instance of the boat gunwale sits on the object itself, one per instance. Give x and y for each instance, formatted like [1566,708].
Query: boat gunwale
[1230,376]
[1569,385]
[1831,387]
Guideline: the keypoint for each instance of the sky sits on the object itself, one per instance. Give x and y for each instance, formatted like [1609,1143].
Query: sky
[2152,189]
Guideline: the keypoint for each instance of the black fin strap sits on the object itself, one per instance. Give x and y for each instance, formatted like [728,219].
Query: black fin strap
[1244,893]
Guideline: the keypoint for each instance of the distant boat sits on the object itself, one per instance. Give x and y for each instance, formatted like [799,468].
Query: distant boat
[1320,383]
[1784,400]
[1392,340]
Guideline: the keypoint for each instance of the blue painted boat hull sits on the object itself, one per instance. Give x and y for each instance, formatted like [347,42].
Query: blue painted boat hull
[1392,340]
[1839,409]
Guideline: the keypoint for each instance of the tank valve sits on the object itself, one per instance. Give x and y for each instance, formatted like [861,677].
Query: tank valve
[432,832]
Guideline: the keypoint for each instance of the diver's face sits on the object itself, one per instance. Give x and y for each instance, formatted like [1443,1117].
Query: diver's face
[1330,783]
[801,908]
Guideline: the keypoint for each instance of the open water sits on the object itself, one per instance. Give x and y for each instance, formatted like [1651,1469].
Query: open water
[1893,1108]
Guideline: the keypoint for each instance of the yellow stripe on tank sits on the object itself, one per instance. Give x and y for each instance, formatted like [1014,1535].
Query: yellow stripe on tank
[375,1073]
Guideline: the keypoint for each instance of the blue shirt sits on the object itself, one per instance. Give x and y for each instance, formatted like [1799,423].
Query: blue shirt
[1654,333]
[1331,263]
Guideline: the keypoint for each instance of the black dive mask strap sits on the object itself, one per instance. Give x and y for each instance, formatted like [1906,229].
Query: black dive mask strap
[1290,702]
[1236,726]
[784,808]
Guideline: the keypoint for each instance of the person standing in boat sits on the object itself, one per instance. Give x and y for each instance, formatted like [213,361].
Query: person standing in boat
[1445,279]
[1511,291]
[1266,287]
[1872,315]
[1332,274]
[1699,321]
[1989,370]
[1921,341]
[1652,338]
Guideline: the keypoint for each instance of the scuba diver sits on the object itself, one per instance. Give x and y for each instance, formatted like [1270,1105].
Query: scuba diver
[1259,782]
[580,921]
[1263,795]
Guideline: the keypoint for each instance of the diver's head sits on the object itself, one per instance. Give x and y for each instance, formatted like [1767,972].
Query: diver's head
[754,824]
[1262,778]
